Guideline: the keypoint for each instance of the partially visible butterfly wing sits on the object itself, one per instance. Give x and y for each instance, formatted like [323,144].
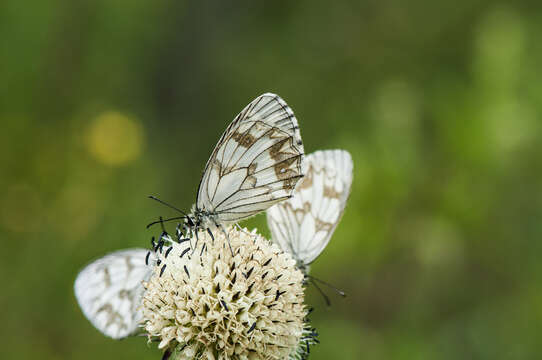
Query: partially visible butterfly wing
[109,291]
[303,225]
[256,163]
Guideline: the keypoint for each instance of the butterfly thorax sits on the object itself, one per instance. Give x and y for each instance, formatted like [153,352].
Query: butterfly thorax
[304,268]
[202,219]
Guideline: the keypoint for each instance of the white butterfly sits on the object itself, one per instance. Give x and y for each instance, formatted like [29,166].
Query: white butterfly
[256,163]
[303,225]
[109,291]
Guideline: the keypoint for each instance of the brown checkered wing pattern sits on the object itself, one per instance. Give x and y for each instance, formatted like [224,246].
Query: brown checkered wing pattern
[303,225]
[256,163]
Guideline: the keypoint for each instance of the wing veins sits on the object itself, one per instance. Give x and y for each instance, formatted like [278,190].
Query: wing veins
[256,187]
[214,154]
[264,112]
[286,136]
[244,113]
[267,148]
[272,127]
[280,162]
[257,202]
[289,137]
[240,140]
[268,167]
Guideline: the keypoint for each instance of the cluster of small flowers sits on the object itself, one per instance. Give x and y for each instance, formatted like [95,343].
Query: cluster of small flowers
[246,302]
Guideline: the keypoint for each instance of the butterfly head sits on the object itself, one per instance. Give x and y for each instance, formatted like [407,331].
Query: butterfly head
[202,219]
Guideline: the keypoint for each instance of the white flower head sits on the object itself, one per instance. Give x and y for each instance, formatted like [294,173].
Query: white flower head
[212,305]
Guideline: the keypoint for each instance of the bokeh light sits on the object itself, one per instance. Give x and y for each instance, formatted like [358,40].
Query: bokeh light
[115,139]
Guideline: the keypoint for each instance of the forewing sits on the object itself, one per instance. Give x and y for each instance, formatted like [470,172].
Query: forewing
[109,291]
[303,225]
[256,163]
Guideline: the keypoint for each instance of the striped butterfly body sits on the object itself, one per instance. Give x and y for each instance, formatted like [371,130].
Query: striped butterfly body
[109,291]
[303,225]
[256,163]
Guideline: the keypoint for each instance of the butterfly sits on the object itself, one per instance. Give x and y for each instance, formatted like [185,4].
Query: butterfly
[256,163]
[303,225]
[109,291]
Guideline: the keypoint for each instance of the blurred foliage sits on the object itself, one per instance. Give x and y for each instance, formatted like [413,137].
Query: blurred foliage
[105,102]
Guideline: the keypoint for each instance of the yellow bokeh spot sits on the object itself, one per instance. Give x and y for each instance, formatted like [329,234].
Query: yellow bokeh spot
[115,139]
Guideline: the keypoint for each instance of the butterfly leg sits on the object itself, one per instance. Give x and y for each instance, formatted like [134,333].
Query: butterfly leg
[227,236]
[241,229]
[211,235]
[326,298]
[187,233]
[196,245]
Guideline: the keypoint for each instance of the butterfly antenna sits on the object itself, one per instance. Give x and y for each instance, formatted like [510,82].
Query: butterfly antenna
[326,298]
[162,225]
[166,204]
[337,290]
[165,220]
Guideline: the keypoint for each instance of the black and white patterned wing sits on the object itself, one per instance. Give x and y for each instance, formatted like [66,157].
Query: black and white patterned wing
[256,163]
[109,291]
[303,225]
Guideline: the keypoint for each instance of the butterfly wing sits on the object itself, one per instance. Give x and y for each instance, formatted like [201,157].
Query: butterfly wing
[256,163]
[303,225]
[109,291]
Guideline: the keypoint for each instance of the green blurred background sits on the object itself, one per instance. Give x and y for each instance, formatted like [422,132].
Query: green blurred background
[105,102]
